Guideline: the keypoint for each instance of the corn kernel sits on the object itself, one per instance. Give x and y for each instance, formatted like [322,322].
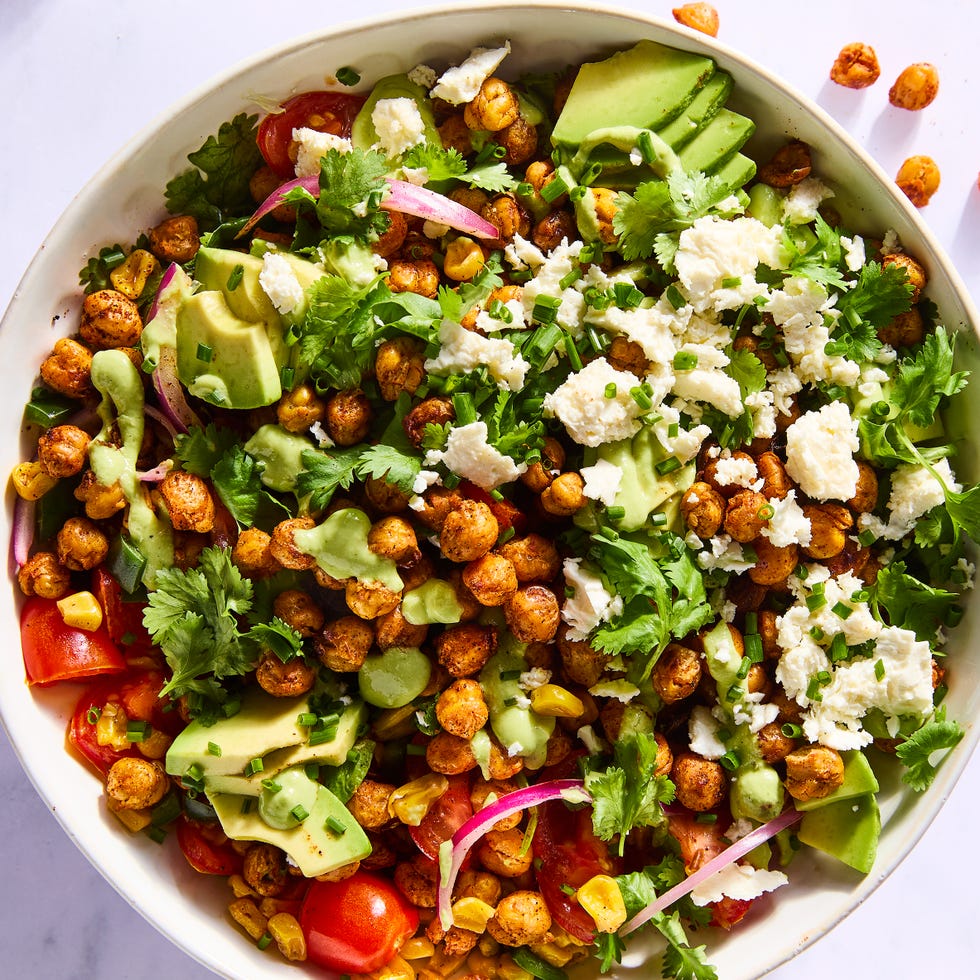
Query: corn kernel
[394,969]
[441,964]
[30,481]
[418,948]
[464,259]
[601,898]
[112,726]
[550,699]
[411,802]
[240,888]
[286,931]
[472,913]
[81,610]
[133,820]
[554,954]
[394,723]
[507,969]
[245,912]
[131,276]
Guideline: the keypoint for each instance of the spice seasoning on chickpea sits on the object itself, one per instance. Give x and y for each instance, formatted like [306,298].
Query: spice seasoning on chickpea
[420,582]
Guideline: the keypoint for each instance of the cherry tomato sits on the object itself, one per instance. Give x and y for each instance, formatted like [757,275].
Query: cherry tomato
[507,514]
[355,925]
[328,112]
[444,818]
[206,848]
[123,620]
[55,652]
[726,912]
[699,842]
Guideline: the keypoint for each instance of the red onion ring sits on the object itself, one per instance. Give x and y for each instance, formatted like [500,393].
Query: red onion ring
[22,531]
[171,394]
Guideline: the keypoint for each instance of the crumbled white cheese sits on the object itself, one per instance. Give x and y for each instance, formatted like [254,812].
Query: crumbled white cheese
[855,254]
[684,443]
[548,276]
[515,748]
[708,382]
[590,602]
[399,125]
[788,524]
[424,480]
[820,449]
[966,570]
[321,435]
[737,471]
[725,554]
[423,75]
[461,83]
[594,745]
[534,678]
[589,417]
[801,204]
[619,689]
[463,350]
[602,481]
[702,733]
[491,324]
[312,146]
[279,282]
[737,881]
[650,327]
[914,492]
[469,455]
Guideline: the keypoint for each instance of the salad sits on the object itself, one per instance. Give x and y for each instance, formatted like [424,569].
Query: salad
[495,516]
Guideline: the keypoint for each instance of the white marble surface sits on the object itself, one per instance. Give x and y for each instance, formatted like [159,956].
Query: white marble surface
[79,78]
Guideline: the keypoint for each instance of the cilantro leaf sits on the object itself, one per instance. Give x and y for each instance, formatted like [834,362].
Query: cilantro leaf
[912,604]
[95,274]
[821,261]
[879,295]
[324,472]
[351,188]
[236,481]
[277,636]
[342,780]
[199,450]
[917,751]
[218,186]
[925,379]
[441,163]
[687,963]
[391,464]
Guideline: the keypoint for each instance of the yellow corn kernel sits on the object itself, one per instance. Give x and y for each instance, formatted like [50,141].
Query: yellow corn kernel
[130,277]
[418,948]
[81,610]
[472,913]
[111,727]
[394,723]
[30,481]
[285,930]
[601,898]
[550,699]
[395,969]
[441,964]
[464,259]
[507,969]
[133,820]
[411,802]
[245,912]
[481,964]
[240,888]
[554,954]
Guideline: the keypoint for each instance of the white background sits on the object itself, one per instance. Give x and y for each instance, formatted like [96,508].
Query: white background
[80,78]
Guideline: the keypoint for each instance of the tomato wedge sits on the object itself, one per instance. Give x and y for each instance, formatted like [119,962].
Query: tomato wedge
[355,925]
[444,818]
[206,848]
[123,620]
[328,112]
[54,651]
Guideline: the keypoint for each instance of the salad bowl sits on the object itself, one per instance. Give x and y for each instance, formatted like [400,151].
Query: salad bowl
[127,195]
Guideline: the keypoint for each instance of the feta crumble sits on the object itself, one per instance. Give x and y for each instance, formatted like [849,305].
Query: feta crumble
[461,83]
[279,282]
[590,602]
[312,146]
[820,449]
[463,350]
[469,455]
[602,481]
[399,125]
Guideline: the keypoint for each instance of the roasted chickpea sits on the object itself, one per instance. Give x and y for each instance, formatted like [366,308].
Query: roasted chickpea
[479,884]
[703,509]
[469,531]
[746,515]
[565,495]
[136,784]
[677,673]
[101,501]
[604,203]
[284,680]
[473,198]
[261,184]
[768,632]
[449,754]
[866,495]
[519,140]
[417,276]
[789,165]
[42,575]
[370,599]
[521,919]
[773,565]
[627,355]
[62,451]
[393,630]
[299,611]
[915,88]
[110,319]
[581,663]
[461,708]
[399,366]
[701,17]
[829,524]
[343,645]
[538,476]
[393,537]
[393,237]
[502,852]
[283,548]
[348,417]
[300,408]
[81,544]
[264,870]
[533,614]
[176,239]
[252,554]
[773,744]
[905,330]
[68,369]
[384,496]
[918,178]
[776,484]
[856,66]
[553,229]
[813,772]
[507,215]
[701,784]
[535,558]
[914,271]
[429,411]
[491,578]
[418,881]
[494,107]
[456,135]
[369,804]
[189,501]
[464,650]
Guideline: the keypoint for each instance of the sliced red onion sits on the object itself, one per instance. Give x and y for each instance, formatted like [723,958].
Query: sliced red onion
[728,856]
[158,416]
[453,852]
[157,473]
[171,394]
[165,281]
[402,196]
[22,533]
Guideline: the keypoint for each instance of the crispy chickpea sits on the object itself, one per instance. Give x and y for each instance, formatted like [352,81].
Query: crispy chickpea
[101,501]
[393,537]
[300,408]
[503,765]
[905,330]
[189,501]
[535,558]
[856,66]
[768,633]
[343,645]
[677,673]
[473,198]
[829,524]
[469,605]
[703,509]
[456,135]
[491,578]
[581,663]
[284,680]
[502,852]
[521,919]
[42,575]
[81,544]
[776,484]
[62,451]
[604,203]
[449,754]
[565,495]
[283,548]
[914,271]
[507,215]
[429,411]
[417,880]
[461,708]
[399,366]
[774,746]
[370,599]
[784,419]
[384,496]
[538,476]
[701,17]
[418,276]
[751,344]
[918,179]
[773,565]
[866,495]
[393,237]
[68,369]
[348,417]
[627,355]
[482,794]
[176,239]
[553,229]
[464,258]
[519,140]
[915,88]
[464,650]
[745,515]
[813,772]
[437,504]
[701,784]
[369,804]
[252,554]
[494,107]
[789,165]
[110,319]
[533,614]
[261,184]
[757,680]
[298,610]
[480,884]
[469,531]
[135,784]
[264,869]
[393,630]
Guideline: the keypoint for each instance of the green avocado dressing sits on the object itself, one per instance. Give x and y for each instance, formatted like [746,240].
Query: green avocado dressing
[517,728]
[115,377]
[282,796]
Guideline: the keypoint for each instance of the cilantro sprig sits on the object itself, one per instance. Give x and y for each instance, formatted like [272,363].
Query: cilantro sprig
[444,165]
[918,752]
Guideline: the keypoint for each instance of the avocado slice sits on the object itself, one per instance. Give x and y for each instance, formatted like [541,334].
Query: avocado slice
[704,107]
[645,86]
[215,268]
[859,780]
[847,830]
[364,135]
[714,145]
[222,358]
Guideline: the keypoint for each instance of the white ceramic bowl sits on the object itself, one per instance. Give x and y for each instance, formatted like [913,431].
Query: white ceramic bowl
[127,195]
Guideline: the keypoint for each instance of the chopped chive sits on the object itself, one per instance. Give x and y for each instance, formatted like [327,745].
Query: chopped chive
[554,188]
[753,648]
[306,720]
[611,390]
[571,352]
[234,280]
[658,520]
[730,760]
[824,677]
[881,409]
[743,668]
[766,512]
[595,339]
[569,278]
[194,773]
[246,806]
[685,360]
[166,811]
[204,353]
[733,694]
[781,358]
[597,298]
[644,143]
[879,669]
[626,296]
[450,481]
[264,941]
[256,765]
[817,633]
[312,770]
[500,311]
[673,430]
[138,731]
[524,189]
[333,824]
[791,731]
[731,282]
[271,785]
[838,648]
[567,888]
[465,408]
[751,622]
[591,175]
[93,715]
[841,610]
[641,398]
[506,535]
[675,297]
[867,537]
[510,702]
[813,690]
[666,466]
[496,495]
[802,572]
[706,818]
[815,601]
[287,376]
[299,812]
[347,76]
[615,513]
[231,707]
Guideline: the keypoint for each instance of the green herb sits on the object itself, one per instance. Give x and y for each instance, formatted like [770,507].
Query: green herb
[95,275]
[342,780]
[917,752]
[445,164]
[347,76]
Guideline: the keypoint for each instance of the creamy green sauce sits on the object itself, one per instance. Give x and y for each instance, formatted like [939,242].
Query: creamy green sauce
[281,454]
[276,805]
[514,726]
[394,678]
[434,601]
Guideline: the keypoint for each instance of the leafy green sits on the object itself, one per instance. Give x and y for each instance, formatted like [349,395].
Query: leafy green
[880,294]
[911,604]
[199,450]
[277,636]
[351,189]
[820,261]
[95,275]
[217,187]
[342,780]
[916,753]
[447,163]
[324,472]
